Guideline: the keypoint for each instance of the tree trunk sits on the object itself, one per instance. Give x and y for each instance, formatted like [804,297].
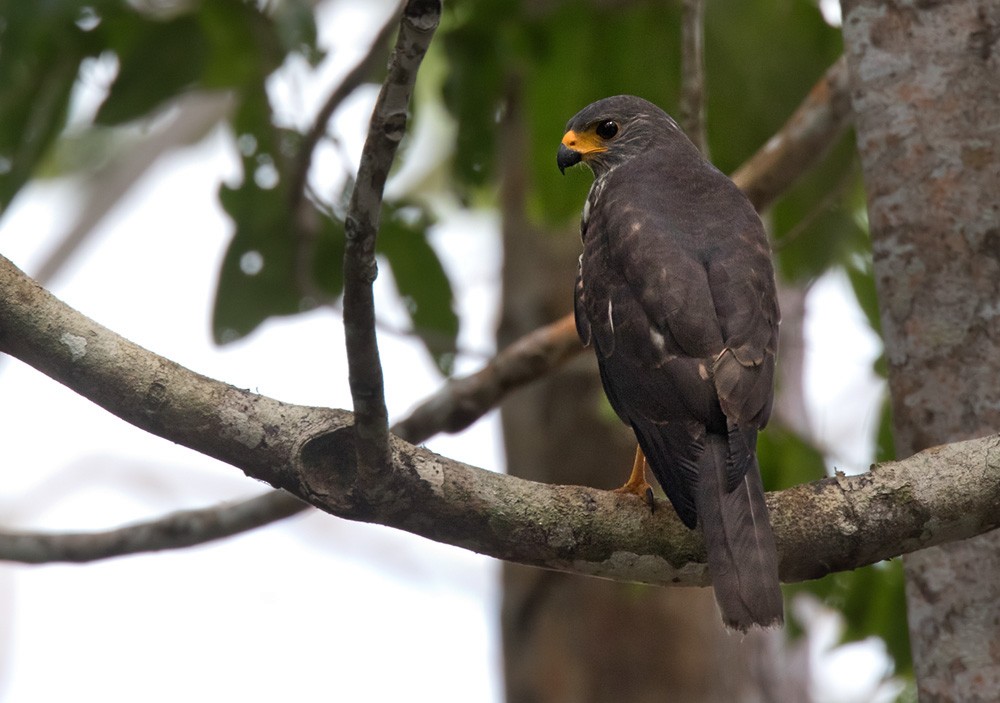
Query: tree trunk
[569,639]
[926,93]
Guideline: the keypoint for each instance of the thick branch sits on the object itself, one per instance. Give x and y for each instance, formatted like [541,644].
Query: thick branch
[942,494]
[388,125]
[462,401]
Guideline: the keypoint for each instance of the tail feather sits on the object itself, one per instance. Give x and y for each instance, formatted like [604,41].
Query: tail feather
[742,557]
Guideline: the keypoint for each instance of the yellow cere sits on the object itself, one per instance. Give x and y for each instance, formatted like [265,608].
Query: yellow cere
[583,142]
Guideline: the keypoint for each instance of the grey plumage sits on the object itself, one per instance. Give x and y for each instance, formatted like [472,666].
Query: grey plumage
[676,294]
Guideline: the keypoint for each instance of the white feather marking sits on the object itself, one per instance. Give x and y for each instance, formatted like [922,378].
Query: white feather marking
[611,317]
[586,210]
[596,189]
[753,518]
[658,340]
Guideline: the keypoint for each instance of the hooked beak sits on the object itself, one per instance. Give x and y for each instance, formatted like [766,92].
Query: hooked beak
[567,157]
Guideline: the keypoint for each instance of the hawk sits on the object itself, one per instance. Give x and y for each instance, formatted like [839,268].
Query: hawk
[675,292]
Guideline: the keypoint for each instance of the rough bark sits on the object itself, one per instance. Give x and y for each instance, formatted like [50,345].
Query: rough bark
[926,92]
[386,130]
[898,507]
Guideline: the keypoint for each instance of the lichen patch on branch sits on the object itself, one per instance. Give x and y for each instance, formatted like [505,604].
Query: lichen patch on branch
[76,344]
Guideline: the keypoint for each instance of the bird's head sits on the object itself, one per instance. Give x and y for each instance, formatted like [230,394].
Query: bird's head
[611,131]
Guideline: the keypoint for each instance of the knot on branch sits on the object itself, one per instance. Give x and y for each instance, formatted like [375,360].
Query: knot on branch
[352,228]
[328,468]
[329,475]
[423,15]
[394,126]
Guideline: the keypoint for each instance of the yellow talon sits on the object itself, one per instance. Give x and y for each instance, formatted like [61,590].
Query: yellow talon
[637,484]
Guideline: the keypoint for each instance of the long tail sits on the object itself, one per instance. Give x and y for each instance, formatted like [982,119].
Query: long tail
[742,557]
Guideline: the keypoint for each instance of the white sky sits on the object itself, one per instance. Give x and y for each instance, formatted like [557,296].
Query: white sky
[314,608]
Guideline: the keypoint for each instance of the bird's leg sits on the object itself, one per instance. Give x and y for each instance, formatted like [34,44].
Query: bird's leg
[637,484]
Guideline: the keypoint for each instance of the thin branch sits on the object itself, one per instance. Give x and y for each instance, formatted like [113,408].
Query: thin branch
[388,125]
[361,72]
[184,528]
[692,107]
[306,219]
[940,495]
[464,400]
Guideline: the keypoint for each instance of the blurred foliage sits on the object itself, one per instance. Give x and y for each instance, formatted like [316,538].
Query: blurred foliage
[420,281]
[552,58]
[873,602]
[788,459]
[287,249]
[41,48]
[555,58]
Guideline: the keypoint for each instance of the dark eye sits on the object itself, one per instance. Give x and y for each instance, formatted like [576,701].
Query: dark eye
[607,130]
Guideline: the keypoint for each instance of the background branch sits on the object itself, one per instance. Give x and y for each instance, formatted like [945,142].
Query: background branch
[692,98]
[801,142]
[388,125]
[184,528]
[361,72]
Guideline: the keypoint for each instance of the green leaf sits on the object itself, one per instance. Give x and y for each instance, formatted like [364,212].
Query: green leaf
[295,24]
[473,85]
[41,48]
[257,279]
[244,44]
[328,258]
[270,268]
[885,442]
[816,224]
[421,282]
[861,274]
[552,61]
[786,460]
[761,59]
[580,54]
[258,276]
[158,60]
[222,44]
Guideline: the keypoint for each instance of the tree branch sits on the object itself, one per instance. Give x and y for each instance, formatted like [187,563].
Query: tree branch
[184,528]
[692,107]
[354,78]
[462,401]
[943,494]
[388,125]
